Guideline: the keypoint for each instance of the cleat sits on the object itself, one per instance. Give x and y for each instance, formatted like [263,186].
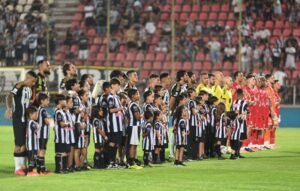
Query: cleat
[32,174]
[20,172]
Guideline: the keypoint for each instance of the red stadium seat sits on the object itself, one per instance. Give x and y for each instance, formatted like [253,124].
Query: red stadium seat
[140,57]
[98,63]
[231,16]
[166,65]
[113,57]
[213,16]
[150,57]
[144,74]
[186,8]
[231,24]
[60,57]
[215,8]
[200,56]
[157,66]
[136,65]
[269,25]
[227,66]
[120,57]
[160,57]
[205,8]
[94,48]
[286,32]
[259,24]
[147,65]
[184,16]
[130,56]
[179,2]
[74,48]
[223,16]
[91,32]
[217,66]
[165,16]
[187,66]
[98,40]
[206,66]
[92,57]
[194,16]
[177,8]
[166,8]
[203,16]
[225,7]
[100,57]
[276,32]
[296,32]
[196,8]
[279,24]
[127,64]
[178,65]
[80,8]
[197,65]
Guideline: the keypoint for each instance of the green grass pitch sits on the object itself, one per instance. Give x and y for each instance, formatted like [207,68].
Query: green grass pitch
[264,170]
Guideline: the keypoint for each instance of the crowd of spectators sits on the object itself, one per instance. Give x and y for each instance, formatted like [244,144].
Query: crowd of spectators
[23,35]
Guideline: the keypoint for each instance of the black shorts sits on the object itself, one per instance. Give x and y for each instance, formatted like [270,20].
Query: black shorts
[222,140]
[123,141]
[43,144]
[114,137]
[60,147]
[99,145]
[67,148]
[200,139]
[234,144]
[19,132]
[243,136]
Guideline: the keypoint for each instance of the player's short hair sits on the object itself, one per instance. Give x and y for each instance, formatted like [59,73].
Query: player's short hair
[203,74]
[70,83]
[58,98]
[268,76]
[105,85]
[190,91]
[116,74]
[148,114]
[249,76]
[157,88]
[211,75]
[114,81]
[42,61]
[68,98]
[42,96]
[180,74]
[147,94]
[190,74]
[156,96]
[84,77]
[66,67]
[235,75]
[132,92]
[130,72]
[203,92]
[32,74]
[123,95]
[30,110]
[152,76]
[212,100]
[81,92]
[164,75]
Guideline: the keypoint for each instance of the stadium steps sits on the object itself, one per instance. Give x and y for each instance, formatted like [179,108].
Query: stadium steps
[62,13]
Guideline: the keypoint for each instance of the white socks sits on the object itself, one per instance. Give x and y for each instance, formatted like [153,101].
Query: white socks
[20,163]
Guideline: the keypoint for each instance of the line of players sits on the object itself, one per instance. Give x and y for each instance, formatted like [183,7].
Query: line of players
[203,117]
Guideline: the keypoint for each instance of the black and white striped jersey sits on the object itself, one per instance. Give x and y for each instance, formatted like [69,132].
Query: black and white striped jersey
[235,130]
[180,133]
[133,108]
[213,119]
[21,100]
[32,142]
[114,119]
[158,127]
[148,107]
[70,130]
[178,89]
[59,131]
[192,117]
[98,125]
[44,128]
[221,131]
[148,137]
[240,106]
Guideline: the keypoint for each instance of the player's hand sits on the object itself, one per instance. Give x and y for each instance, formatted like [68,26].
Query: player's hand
[8,113]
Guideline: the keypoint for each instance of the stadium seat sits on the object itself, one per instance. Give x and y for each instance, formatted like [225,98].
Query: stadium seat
[92,57]
[94,48]
[198,65]
[160,57]
[183,17]
[164,16]
[227,65]
[200,56]
[157,65]
[215,8]
[196,8]
[22,2]
[206,66]
[187,66]
[225,7]
[213,16]
[80,9]
[286,32]
[203,16]
[130,56]
[179,2]
[144,74]
[186,8]
[100,57]
[279,24]
[166,8]
[120,57]
[277,32]
[74,48]
[259,24]
[223,16]
[177,8]
[147,65]
[166,65]
[296,32]
[136,65]
[127,64]
[91,32]
[140,57]
[98,40]
[77,17]
[231,16]
[269,25]
[194,16]
[27,8]
[205,8]
[178,65]
[150,57]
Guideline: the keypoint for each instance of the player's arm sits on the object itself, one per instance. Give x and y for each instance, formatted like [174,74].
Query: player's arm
[46,117]
[111,106]
[9,101]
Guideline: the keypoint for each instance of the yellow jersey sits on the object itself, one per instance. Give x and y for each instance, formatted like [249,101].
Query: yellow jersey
[216,91]
[201,87]
[226,98]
